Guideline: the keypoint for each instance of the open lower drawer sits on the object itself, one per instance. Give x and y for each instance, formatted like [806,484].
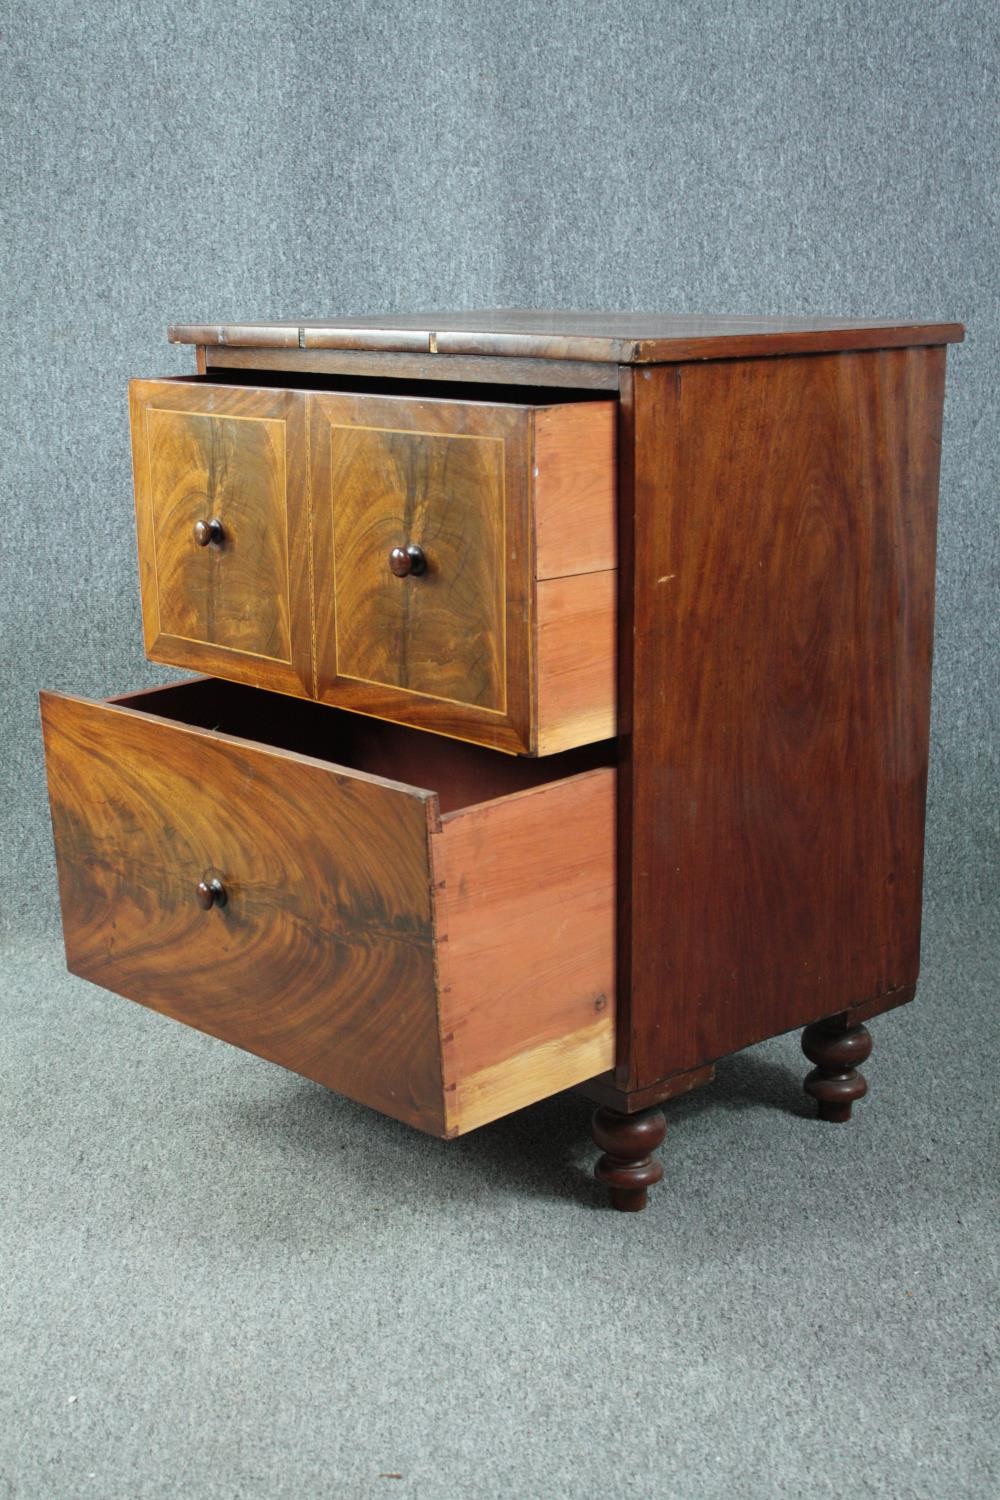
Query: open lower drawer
[420,924]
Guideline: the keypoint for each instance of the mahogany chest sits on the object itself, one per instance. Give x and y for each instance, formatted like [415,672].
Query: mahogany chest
[565,717]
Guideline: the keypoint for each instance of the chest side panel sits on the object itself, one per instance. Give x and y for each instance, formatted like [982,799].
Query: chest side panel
[777,695]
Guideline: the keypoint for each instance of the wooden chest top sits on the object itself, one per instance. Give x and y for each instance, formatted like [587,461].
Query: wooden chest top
[531,333]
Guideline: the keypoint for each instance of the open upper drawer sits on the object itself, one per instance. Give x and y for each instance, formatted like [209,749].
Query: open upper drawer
[447,563]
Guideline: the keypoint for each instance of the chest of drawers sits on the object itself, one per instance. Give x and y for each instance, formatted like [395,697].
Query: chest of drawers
[567,714]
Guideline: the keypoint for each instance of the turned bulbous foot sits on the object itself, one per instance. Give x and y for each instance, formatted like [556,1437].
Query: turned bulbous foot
[628,1168]
[835,1083]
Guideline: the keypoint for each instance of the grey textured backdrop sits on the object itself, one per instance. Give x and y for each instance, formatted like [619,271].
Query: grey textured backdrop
[217,160]
[219,1280]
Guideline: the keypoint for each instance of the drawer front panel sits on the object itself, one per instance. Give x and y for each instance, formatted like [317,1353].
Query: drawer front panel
[232,593]
[321,958]
[439,632]
[222,530]
[447,646]
[448,564]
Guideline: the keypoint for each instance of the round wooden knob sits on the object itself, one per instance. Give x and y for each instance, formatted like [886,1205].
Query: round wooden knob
[210,893]
[209,531]
[407,561]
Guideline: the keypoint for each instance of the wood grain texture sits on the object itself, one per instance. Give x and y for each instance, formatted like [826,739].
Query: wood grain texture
[234,594]
[536,1072]
[321,916]
[240,335]
[574,374]
[622,338]
[838,1049]
[440,632]
[449,650]
[271,522]
[525,891]
[605,1091]
[574,489]
[392,340]
[575,675]
[628,1168]
[775,695]
[321,960]
[203,454]
[462,775]
[454,650]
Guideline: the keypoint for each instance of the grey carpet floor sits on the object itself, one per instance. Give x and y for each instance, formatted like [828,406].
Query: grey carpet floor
[219,1280]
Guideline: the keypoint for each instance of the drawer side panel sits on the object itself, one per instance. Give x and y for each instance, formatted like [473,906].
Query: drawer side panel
[575,660]
[574,489]
[525,891]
